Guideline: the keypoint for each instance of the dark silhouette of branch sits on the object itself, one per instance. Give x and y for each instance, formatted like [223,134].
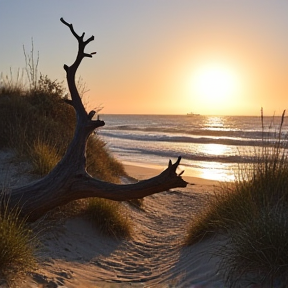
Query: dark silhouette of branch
[69,179]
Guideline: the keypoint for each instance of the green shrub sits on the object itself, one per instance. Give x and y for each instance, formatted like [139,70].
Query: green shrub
[109,217]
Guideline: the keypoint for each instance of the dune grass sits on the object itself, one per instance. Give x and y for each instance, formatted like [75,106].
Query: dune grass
[100,162]
[35,116]
[38,125]
[17,245]
[109,217]
[252,213]
[44,158]
[257,251]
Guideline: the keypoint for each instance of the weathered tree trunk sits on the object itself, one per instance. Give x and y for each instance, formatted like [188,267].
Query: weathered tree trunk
[69,180]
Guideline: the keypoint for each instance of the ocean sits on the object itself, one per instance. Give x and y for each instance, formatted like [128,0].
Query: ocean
[211,147]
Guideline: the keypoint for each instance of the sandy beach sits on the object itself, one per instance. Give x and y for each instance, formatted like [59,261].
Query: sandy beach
[74,254]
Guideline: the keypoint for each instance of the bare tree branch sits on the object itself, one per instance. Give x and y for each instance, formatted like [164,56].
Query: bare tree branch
[69,180]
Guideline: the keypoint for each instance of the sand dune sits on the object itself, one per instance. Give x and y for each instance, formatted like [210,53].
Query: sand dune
[75,255]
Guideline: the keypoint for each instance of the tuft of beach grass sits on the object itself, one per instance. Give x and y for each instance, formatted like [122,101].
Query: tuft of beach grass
[109,217]
[17,244]
[252,213]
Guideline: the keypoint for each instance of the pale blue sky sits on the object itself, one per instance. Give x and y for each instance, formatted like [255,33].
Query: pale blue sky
[147,50]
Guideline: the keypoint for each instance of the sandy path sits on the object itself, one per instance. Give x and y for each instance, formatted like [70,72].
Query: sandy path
[155,247]
[75,255]
[154,257]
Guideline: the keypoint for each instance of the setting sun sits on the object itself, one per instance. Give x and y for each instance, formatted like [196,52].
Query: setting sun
[214,83]
[166,107]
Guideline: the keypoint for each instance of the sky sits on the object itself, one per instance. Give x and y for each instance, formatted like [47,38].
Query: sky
[212,57]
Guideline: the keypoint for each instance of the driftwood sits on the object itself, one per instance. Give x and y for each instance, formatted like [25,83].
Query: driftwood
[69,179]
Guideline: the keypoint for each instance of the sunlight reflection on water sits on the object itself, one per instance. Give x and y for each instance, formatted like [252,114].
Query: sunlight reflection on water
[214,149]
[211,171]
[215,173]
[211,147]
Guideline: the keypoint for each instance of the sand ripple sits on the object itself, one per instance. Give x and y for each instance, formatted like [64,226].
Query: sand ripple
[154,257]
[75,255]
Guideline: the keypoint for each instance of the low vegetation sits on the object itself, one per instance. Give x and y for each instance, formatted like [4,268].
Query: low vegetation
[100,162]
[252,212]
[17,245]
[31,117]
[110,218]
[38,125]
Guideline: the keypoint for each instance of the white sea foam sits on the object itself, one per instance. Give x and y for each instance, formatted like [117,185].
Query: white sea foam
[211,146]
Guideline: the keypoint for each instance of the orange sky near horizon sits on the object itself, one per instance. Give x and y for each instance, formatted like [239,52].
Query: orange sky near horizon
[214,57]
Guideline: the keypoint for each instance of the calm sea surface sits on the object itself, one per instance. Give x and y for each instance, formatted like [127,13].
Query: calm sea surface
[211,146]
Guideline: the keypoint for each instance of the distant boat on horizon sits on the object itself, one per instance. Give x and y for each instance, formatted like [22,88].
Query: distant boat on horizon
[192,114]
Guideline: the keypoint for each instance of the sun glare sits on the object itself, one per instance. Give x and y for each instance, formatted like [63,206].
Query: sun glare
[215,82]
[214,85]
